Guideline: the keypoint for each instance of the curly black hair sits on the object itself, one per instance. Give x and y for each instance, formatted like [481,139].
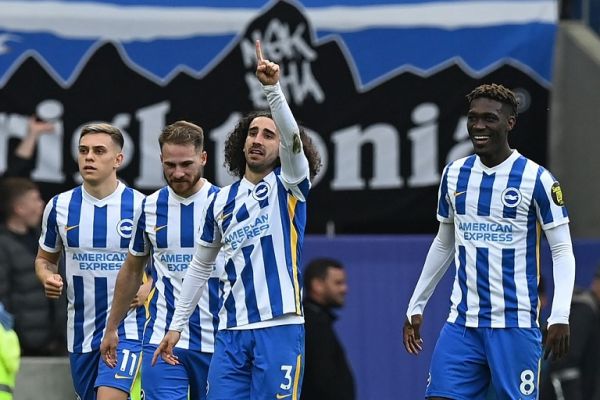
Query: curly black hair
[496,92]
[235,160]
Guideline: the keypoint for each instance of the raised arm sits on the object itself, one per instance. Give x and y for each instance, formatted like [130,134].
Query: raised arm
[294,165]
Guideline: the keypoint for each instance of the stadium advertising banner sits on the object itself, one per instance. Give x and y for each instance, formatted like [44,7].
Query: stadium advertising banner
[379,85]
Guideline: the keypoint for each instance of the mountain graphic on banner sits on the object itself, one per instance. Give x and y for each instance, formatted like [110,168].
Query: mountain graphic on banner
[383,148]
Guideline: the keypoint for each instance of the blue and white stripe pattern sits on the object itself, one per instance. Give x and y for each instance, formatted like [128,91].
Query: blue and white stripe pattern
[94,236]
[166,227]
[260,228]
[498,214]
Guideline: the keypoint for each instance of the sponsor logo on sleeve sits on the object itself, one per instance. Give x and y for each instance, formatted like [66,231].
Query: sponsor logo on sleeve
[557,195]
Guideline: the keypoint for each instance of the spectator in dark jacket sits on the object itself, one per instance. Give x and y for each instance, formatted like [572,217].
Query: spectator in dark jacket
[38,321]
[327,374]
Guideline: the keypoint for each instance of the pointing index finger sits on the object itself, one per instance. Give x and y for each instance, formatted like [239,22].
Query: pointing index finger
[259,55]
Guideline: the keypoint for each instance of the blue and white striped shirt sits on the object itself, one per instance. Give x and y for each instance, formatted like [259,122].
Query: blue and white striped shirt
[94,235]
[260,228]
[167,227]
[498,214]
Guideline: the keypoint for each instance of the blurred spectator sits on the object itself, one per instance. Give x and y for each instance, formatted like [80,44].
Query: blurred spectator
[10,356]
[570,9]
[577,376]
[327,374]
[21,162]
[38,322]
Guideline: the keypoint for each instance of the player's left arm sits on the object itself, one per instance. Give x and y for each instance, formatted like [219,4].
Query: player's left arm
[294,164]
[563,269]
[553,216]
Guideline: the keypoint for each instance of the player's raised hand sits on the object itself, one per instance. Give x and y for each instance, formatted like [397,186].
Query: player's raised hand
[165,348]
[267,72]
[557,341]
[37,127]
[53,286]
[411,334]
[108,348]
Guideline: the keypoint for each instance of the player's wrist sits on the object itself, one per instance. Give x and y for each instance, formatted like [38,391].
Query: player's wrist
[271,88]
[176,327]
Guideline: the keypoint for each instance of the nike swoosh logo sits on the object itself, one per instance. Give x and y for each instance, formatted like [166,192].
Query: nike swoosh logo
[224,216]
[70,228]
[456,194]
[159,228]
[117,376]
[282,396]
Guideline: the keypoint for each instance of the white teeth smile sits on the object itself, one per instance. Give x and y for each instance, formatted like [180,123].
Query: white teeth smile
[480,137]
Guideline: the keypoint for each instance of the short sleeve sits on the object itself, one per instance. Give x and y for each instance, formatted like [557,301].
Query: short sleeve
[210,234]
[445,212]
[549,201]
[139,244]
[50,239]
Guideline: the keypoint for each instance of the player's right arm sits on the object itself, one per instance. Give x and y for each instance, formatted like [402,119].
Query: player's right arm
[294,164]
[198,273]
[439,257]
[127,285]
[49,251]
[46,269]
